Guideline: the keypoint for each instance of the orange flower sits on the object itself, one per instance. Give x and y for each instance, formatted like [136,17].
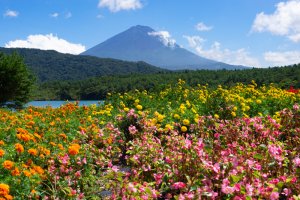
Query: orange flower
[74,149]
[27,173]
[2,152]
[38,169]
[8,197]
[8,164]
[4,189]
[33,152]
[1,142]
[60,146]
[19,147]
[15,172]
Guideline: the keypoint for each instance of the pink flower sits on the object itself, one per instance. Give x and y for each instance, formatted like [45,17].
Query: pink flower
[132,129]
[274,196]
[296,162]
[78,174]
[115,168]
[132,188]
[249,190]
[188,143]
[178,185]
[296,107]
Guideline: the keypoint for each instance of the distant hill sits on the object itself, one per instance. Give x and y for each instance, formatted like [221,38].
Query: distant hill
[142,43]
[50,65]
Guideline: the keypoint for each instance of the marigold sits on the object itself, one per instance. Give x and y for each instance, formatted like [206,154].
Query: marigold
[74,149]
[33,152]
[2,152]
[1,142]
[27,173]
[19,147]
[8,164]
[15,172]
[38,169]
[4,189]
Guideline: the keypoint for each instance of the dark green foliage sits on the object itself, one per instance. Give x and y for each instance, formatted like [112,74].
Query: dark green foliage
[51,65]
[97,88]
[15,81]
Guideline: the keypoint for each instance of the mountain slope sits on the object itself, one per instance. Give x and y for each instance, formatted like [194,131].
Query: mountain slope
[142,43]
[50,65]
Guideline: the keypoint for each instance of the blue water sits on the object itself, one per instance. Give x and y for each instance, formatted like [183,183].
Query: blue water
[56,104]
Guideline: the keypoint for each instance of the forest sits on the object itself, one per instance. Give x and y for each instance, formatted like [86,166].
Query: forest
[96,88]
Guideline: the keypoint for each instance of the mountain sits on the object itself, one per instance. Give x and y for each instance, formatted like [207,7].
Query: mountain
[49,65]
[142,43]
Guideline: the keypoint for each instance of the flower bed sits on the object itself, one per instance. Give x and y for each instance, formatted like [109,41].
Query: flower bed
[182,143]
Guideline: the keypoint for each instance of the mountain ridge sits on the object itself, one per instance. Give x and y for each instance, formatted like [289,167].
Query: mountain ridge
[49,65]
[142,43]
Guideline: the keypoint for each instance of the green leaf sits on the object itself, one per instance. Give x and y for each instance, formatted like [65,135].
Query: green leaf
[258,156]
[235,178]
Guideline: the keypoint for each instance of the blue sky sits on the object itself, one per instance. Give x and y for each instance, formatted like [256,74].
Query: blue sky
[248,32]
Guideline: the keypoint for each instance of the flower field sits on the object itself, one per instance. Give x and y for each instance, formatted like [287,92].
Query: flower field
[241,142]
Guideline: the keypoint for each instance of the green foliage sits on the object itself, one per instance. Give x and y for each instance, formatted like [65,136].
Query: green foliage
[15,81]
[97,87]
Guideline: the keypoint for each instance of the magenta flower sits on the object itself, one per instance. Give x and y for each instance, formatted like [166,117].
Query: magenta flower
[178,185]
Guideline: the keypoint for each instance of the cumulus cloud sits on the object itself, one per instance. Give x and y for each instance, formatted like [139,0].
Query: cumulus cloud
[11,13]
[285,21]
[164,37]
[282,58]
[203,27]
[215,52]
[117,5]
[54,15]
[47,42]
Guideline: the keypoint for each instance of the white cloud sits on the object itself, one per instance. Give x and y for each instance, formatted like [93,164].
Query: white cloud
[117,5]
[11,13]
[285,21]
[54,15]
[215,52]
[282,58]
[164,37]
[47,42]
[202,27]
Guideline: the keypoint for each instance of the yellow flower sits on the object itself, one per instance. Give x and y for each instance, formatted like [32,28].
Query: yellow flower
[216,116]
[176,116]
[233,114]
[186,122]
[258,101]
[183,128]
[139,107]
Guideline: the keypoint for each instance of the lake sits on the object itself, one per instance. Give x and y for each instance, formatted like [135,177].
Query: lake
[56,104]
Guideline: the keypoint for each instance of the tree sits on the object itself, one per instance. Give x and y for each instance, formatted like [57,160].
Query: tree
[15,81]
